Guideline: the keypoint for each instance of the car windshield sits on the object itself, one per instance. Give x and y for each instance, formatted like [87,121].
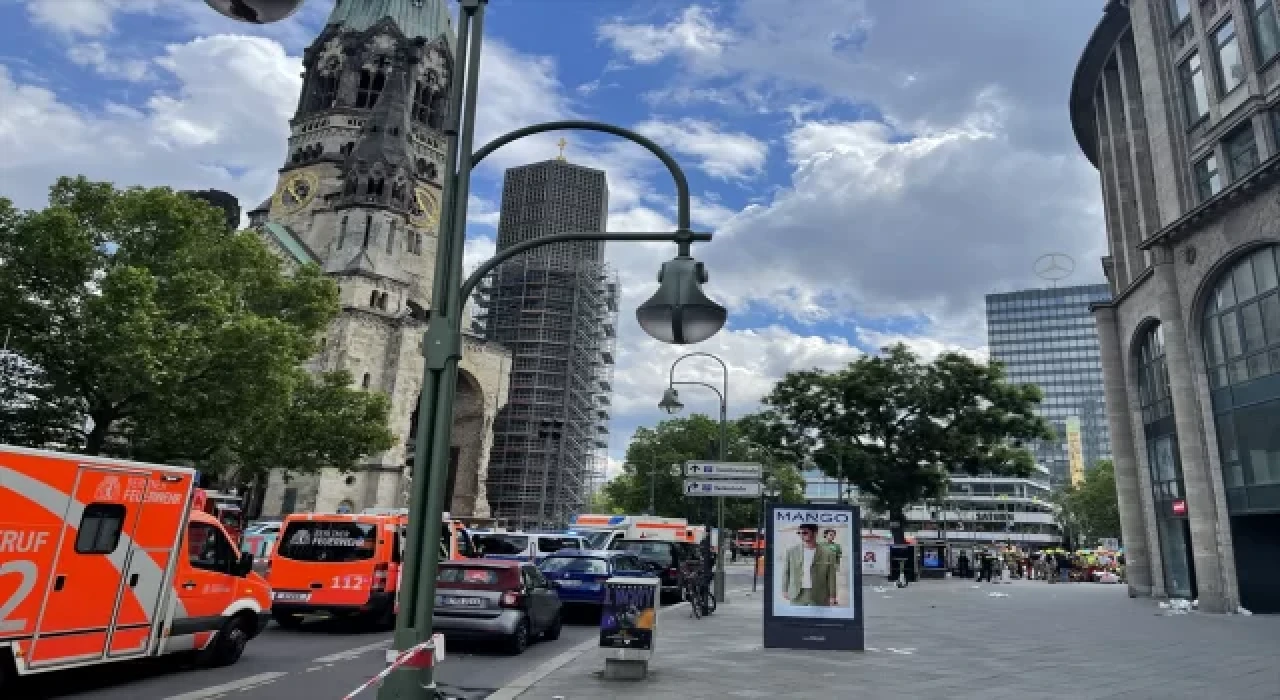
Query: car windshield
[656,550]
[501,544]
[329,542]
[575,565]
[598,540]
[470,576]
[555,544]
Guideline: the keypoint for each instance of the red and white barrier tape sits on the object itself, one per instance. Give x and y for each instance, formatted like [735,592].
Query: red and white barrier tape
[420,656]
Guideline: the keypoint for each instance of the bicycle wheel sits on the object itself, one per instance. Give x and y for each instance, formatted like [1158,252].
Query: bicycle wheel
[691,595]
[708,603]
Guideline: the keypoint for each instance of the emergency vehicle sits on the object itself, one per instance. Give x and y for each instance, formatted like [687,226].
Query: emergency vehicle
[602,530]
[105,560]
[346,565]
[223,506]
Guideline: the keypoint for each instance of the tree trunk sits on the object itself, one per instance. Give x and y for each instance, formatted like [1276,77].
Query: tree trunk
[898,524]
[97,437]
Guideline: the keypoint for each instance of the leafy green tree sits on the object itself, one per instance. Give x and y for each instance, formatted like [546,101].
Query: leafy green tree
[177,339]
[1090,510]
[675,441]
[900,426]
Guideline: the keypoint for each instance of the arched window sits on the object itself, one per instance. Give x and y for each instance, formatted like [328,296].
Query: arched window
[342,233]
[368,229]
[421,102]
[375,187]
[345,150]
[373,299]
[1242,354]
[439,110]
[417,243]
[1156,401]
[350,189]
[391,236]
[364,383]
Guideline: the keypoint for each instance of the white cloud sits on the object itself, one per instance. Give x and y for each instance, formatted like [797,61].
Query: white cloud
[928,348]
[94,55]
[692,35]
[224,129]
[725,155]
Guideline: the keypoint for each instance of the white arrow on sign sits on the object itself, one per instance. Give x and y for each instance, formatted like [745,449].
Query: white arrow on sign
[722,488]
[723,470]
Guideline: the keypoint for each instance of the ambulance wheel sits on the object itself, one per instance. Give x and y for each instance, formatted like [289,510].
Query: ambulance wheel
[228,646]
[288,621]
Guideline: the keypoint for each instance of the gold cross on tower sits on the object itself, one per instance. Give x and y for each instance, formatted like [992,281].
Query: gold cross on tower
[562,143]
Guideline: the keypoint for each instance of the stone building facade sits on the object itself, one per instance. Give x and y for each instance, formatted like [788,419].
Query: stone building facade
[1177,103]
[360,197]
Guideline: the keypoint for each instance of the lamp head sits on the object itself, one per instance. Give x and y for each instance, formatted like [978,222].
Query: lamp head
[255,11]
[679,313]
[671,401]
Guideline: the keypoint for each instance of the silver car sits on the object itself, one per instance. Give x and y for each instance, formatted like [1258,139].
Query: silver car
[496,599]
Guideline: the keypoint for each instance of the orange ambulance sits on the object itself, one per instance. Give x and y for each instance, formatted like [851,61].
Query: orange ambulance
[104,560]
[345,565]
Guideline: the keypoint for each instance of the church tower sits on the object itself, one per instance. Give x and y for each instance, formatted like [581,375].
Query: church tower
[359,196]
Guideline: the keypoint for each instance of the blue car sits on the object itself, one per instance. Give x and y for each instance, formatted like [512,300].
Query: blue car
[578,575]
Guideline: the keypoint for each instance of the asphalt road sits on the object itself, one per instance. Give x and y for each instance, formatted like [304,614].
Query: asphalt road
[324,660]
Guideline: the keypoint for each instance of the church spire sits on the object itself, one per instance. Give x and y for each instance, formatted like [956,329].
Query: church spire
[425,19]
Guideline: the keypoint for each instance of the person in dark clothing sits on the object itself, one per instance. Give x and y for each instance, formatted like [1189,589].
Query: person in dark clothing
[988,567]
[963,563]
[1064,568]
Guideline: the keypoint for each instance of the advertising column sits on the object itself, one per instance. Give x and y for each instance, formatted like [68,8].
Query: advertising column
[813,578]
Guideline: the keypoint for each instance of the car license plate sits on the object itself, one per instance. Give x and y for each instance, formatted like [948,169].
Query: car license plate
[461,602]
[291,596]
[570,583]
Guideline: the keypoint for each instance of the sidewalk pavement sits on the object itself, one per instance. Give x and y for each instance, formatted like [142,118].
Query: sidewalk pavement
[951,639]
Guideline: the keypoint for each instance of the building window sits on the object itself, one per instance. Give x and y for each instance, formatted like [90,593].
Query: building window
[1266,33]
[1242,150]
[421,102]
[1208,179]
[368,230]
[1179,11]
[1153,378]
[364,382]
[417,243]
[342,233]
[370,88]
[1242,323]
[1230,65]
[391,236]
[1194,93]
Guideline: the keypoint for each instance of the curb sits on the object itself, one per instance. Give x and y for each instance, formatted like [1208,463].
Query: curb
[516,688]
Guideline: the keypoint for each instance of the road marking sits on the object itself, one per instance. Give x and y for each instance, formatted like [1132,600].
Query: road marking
[351,654]
[214,691]
[315,668]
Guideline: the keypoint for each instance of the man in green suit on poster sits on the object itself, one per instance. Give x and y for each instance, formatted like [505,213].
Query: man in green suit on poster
[809,577]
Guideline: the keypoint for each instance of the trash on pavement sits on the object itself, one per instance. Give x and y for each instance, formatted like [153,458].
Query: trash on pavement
[880,589]
[995,594]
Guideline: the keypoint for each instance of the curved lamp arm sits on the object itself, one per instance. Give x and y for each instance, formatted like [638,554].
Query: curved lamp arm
[682,182]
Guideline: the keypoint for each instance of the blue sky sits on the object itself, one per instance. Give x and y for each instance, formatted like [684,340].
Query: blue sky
[871,169]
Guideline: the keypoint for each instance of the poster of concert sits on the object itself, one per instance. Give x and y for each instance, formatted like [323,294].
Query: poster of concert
[627,616]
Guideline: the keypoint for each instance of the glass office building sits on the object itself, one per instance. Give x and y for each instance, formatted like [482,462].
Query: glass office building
[1047,337]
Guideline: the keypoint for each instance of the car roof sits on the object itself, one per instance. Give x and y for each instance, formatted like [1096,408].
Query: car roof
[594,553]
[484,563]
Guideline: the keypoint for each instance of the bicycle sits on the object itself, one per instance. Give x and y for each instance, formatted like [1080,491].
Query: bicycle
[694,588]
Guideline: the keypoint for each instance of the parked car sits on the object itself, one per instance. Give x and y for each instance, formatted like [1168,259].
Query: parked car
[523,546]
[669,556]
[578,575]
[496,599]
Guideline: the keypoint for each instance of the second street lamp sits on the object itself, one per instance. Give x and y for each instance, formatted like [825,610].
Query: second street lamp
[671,404]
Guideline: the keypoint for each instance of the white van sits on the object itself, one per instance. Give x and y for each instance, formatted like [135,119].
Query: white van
[523,546]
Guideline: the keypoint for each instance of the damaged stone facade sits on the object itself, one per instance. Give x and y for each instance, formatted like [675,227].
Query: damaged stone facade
[360,196]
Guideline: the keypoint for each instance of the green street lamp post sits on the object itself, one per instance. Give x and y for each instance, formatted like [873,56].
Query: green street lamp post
[671,404]
[678,313]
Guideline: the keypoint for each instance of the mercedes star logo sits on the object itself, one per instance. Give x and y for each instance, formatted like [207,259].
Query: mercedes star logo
[1054,266]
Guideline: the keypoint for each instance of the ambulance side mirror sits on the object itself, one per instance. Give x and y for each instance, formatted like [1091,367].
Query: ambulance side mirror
[245,565]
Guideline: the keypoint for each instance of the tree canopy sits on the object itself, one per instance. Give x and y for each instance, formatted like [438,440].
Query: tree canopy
[1090,510]
[141,326]
[674,441]
[897,427]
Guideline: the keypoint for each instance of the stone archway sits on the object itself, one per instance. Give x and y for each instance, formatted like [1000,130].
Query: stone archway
[466,442]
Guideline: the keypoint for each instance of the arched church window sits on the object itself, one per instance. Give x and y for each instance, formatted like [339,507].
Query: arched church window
[439,109]
[391,236]
[417,243]
[382,301]
[421,102]
[368,229]
[375,187]
[364,383]
[342,233]
[373,299]
[325,92]
[420,167]
[397,193]
[350,189]
[366,92]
